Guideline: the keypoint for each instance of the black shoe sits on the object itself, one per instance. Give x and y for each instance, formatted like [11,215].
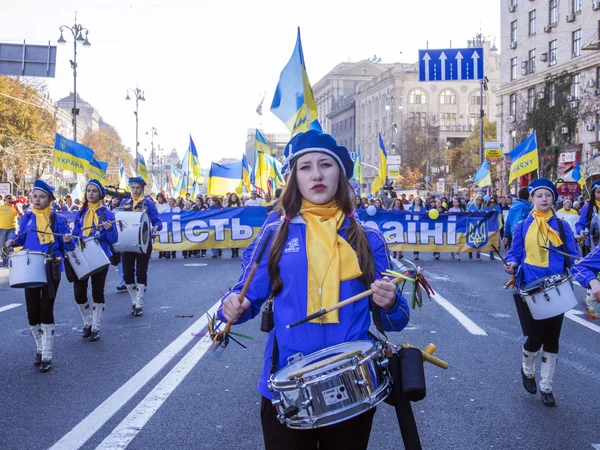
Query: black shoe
[529,383]
[548,399]
[121,288]
[197,255]
[132,309]
[137,312]
[470,255]
[87,332]
[38,359]
[46,366]
[95,335]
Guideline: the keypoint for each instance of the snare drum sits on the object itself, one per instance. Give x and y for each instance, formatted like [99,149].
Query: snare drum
[88,261]
[331,385]
[549,296]
[135,236]
[27,269]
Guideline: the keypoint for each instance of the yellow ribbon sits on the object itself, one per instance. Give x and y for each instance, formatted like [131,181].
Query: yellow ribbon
[538,234]
[90,218]
[331,259]
[42,223]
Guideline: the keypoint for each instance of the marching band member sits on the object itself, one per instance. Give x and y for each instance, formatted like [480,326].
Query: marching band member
[35,234]
[318,254]
[94,220]
[540,228]
[586,272]
[585,216]
[135,265]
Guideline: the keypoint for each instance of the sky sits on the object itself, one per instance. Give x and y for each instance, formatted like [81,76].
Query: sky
[204,65]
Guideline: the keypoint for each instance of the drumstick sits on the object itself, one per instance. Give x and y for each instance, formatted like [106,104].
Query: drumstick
[561,253]
[100,224]
[499,255]
[356,298]
[429,358]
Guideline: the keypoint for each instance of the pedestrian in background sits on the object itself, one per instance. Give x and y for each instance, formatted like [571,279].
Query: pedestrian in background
[9,215]
[456,208]
[234,202]
[417,207]
[217,205]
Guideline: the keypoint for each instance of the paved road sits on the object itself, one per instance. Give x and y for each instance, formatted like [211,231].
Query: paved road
[147,384]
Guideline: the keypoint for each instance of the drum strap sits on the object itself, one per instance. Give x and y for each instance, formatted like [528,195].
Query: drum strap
[565,248]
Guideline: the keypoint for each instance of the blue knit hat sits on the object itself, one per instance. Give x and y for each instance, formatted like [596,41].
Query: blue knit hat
[316,141]
[98,185]
[44,187]
[595,185]
[543,183]
[137,180]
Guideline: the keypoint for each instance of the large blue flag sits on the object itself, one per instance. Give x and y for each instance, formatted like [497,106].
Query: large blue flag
[524,158]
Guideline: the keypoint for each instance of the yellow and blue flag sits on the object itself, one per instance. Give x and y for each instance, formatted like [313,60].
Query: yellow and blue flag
[70,155]
[294,103]
[97,169]
[357,175]
[224,178]
[381,178]
[483,176]
[141,167]
[261,144]
[524,158]
[577,175]
[246,173]
[155,189]
[191,163]
[122,176]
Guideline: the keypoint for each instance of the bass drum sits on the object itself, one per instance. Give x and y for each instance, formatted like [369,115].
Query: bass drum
[594,232]
[136,233]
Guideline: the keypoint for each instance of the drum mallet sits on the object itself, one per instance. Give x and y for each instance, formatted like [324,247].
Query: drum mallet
[575,257]
[428,356]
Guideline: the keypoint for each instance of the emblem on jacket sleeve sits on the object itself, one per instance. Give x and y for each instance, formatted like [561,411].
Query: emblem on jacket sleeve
[292,246]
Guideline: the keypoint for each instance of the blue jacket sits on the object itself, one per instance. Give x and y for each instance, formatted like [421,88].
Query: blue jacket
[291,304]
[105,237]
[473,208]
[518,211]
[411,208]
[583,223]
[587,268]
[150,209]
[556,264]
[30,241]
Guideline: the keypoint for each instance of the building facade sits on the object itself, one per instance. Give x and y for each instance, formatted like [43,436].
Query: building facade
[276,141]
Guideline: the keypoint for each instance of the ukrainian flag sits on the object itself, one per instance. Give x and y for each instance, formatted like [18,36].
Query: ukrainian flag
[122,176]
[261,144]
[524,158]
[154,190]
[191,163]
[246,173]
[381,179]
[174,176]
[483,176]
[294,102]
[97,169]
[357,175]
[141,167]
[224,178]
[577,175]
[70,155]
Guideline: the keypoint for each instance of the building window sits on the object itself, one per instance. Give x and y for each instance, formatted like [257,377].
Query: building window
[576,43]
[530,99]
[575,86]
[513,31]
[447,97]
[513,105]
[418,118]
[576,6]
[552,49]
[553,12]
[448,119]
[473,118]
[512,2]
[551,94]
[417,97]
[513,69]
[532,22]
[474,99]
[531,60]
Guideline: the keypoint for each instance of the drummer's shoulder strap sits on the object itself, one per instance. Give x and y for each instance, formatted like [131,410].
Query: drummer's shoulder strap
[563,238]
[53,222]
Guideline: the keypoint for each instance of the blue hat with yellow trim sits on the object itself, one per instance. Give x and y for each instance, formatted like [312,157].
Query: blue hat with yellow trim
[137,180]
[316,141]
[44,187]
[595,185]
[98,185]
[543,183]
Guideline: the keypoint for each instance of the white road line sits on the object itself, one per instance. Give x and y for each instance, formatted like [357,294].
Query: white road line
[124,433]
[596,446]
[574,316]
[85,429]
[471,326]
[9,306]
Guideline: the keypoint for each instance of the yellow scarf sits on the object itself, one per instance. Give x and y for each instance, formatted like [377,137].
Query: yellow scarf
[330,258]
[535,255]
[136,201]
[90,218]
[597,204]
[42,223]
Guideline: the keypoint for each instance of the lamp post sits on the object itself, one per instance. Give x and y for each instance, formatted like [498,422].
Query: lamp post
[138,94]
[153,132]
[77,30]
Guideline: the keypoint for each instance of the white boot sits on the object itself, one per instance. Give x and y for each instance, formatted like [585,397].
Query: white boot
[47,345]
[86,315]
[528,371]
[37,335]
[139,304]
[133,292]
[97,311]
[548,367]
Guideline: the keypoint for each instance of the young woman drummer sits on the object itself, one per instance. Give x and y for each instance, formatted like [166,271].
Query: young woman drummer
[540,228]
[35,234]
[135,265]
[316,255]
[585,216]
[94,219]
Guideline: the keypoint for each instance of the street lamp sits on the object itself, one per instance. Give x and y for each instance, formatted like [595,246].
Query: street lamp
[153,132]
[138,94]
[78,31]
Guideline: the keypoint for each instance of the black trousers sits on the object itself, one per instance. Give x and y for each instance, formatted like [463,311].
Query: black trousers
[352,434]
[539,333]
[40,307]
[80,288]
[135,266]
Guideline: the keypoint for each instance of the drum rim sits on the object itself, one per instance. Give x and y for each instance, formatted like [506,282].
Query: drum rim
[564,278]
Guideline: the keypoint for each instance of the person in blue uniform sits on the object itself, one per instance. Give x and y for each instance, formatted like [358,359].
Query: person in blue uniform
[94,219]
[530,262]
[586,272]
[33,229]
[317,254]
[135,265]
[586,214]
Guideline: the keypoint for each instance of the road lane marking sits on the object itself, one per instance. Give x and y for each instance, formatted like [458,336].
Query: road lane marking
[127,430]
[10,306]
[471,326]
[85,429]
[574,314]
[596,446]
